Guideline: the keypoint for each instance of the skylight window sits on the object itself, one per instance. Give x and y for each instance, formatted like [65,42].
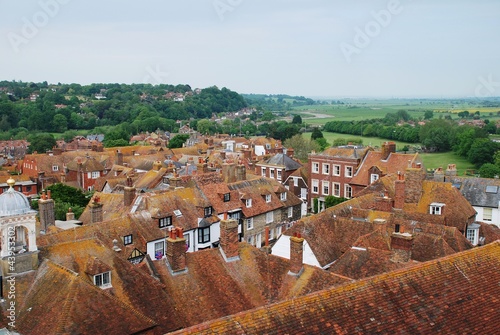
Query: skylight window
[177,213]
[492,189]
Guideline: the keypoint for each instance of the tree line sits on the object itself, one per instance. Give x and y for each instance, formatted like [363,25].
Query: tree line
[436,135]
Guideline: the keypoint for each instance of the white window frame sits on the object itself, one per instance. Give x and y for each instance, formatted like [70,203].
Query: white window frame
[95,174]
[249,223]
[290,211]
[278,174]
[487,214]
[336,190]
[325,187]
[347,191]
[283,196]
[326,168]
[271,173]
[248,203]
[315,186]
[263,171]
[295,181]
[473,236]
[348,171]
[315,167]
[103,280]
[55,168]
[436,209]
[268,198]
[160,245]
[269,217]
[336,170]
[373,178]
[303,193]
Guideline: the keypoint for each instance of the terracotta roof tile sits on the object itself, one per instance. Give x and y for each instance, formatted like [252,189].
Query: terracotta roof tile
[422,299]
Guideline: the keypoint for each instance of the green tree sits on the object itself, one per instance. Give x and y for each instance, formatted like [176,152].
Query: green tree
[331,201]
[437,135]
[428,114]
[301,146]
[178,141]
[489,170]
[297,119]
[59,123]
[322,143]
[482,151]
[204,126]
[41,142]
[267,116]
[316,133]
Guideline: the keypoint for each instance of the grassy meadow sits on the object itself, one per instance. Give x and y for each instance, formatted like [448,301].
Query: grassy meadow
[369,109]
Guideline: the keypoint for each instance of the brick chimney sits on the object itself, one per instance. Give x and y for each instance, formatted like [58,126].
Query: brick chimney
[128,195]
[291,185]
[399,190]
[290,152]
[175,181]
[401,245]
[202,166]
[241,172]
[70,215]
[380,225]
[229,239]
[229,172]
[414,176]
[157,165]
[247,153]
[383,203]
[46,211]
[119,157]
[296,255]
[176,251]
[451,172]
[439,174]
[95,210]
[387,149]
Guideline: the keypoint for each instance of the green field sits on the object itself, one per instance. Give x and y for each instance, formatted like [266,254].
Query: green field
[435,160]
[355,110]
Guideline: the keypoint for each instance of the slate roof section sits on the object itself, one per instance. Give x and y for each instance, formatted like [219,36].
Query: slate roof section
[474,190]
[282,160]
[458,294]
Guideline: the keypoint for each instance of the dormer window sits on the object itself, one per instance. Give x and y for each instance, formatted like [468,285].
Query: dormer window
[207,211]
[55,168]
[283,196]
[103,280]
[473,233]
[165,222]
[248,203]
[373,178]
[227,197]
[127,239]
[436,208]
[268,198]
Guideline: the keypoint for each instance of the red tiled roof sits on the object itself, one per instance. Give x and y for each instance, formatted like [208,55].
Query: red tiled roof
[457,294]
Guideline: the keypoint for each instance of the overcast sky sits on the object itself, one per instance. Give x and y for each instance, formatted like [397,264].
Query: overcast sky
[334,48]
